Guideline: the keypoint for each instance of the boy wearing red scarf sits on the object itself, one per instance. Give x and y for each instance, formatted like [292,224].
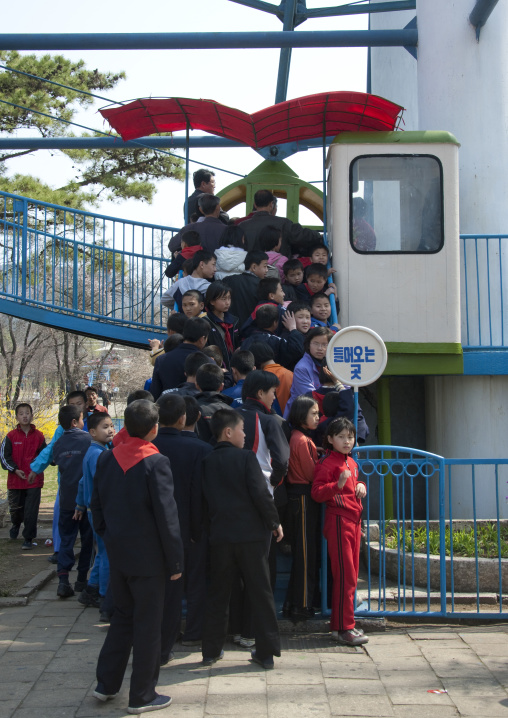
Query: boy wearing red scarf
[135,513]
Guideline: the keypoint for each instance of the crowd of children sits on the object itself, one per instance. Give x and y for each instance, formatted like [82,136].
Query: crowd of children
[229,450]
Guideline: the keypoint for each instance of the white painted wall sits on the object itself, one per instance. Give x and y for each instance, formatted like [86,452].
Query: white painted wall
[393,69]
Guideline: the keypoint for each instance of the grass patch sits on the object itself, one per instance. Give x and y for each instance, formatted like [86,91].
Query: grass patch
[463,541]
[50,488]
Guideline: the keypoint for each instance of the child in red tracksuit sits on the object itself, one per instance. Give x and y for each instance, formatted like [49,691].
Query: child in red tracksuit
[336,483]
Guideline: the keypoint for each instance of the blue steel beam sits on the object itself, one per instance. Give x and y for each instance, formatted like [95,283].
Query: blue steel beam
[260,5]
[285,53]
[207,40]
[356,9]
[480,14]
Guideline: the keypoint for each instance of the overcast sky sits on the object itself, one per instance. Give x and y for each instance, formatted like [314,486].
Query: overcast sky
[245,79]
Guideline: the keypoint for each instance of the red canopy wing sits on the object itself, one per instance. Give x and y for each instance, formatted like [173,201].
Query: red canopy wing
[303,118]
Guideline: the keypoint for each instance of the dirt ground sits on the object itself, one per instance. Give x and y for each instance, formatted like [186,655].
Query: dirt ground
[17,567]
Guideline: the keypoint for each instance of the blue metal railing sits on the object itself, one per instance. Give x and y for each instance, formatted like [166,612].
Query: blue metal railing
[408,563]
[484,299]
[83,264]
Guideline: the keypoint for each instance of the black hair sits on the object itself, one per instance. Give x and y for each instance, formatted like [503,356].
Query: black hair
[267,315]
[215,354]
[23,405]
[263,198]
[317,269]
[299,411]
[243,361]
[316,332]
[336,427]
[194,293]
[171,408]
[203,255]
[216,290]
[267,286]
[298,307]
[194,329]
[188,266]
[191,238]
[323,378]
[331,403]
[201,176]
[255,257]
[74,394]
[67,414]
[95,419]
[318,295]
[139,394]
[208,203]
[191,409]
[224,419]
[262,352]
[140,417]
[257,381]
[317,245]
[193,362]
[233,237]
[269,237]
[209,377]
[290,265]
[176,322]
[172,342]
[92,388]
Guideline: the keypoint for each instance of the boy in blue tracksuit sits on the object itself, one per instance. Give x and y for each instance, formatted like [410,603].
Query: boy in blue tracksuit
[45,458]
[101,429]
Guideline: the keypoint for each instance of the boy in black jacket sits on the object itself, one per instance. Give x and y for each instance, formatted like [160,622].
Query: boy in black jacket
[135,512]
[210,382]
[241,516]
[68,454]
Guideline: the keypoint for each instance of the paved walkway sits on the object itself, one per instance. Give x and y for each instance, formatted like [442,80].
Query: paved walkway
[48,652]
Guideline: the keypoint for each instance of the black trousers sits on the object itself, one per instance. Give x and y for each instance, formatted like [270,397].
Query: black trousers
[195,588]
[251,558]
[24,509]
[68,530]
[136,625]
[171,616]
[302,517]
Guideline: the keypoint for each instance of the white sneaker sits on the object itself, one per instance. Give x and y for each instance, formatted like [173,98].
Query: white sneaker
[247,642]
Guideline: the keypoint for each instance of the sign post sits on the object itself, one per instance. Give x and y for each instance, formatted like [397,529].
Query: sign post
[357,356]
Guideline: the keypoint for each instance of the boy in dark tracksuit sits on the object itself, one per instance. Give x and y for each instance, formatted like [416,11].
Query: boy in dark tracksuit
[68,454]
[18,450]
[134,511]
[241,515]
[185,454]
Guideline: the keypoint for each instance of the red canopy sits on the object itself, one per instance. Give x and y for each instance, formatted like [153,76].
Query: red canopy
[304,118]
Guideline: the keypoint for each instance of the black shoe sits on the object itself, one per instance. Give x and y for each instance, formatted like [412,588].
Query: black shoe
[155,705]
[165,663]
[64,590]
[90,597]
[27,545]
[80,586]
[105,617]
[266,663]
[287,608]
[210,661]
[301,614]
[53,558]
[13,532]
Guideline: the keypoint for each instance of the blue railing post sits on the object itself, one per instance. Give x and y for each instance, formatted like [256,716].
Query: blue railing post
[23,207]
[442,536]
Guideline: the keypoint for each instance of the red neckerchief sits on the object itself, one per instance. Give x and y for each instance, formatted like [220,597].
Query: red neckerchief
[120,437]
[305,261]
[133,450]
[189,252]
[227,335]
[309,289]
[263,304]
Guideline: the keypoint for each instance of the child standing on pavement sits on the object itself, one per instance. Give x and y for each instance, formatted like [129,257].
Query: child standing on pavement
[102,431]
[19,448]
[336,483]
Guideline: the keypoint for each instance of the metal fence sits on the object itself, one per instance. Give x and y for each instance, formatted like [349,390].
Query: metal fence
[412,563]
[83,264]
[484,298]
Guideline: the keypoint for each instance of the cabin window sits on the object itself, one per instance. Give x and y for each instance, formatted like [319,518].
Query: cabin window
[396,204]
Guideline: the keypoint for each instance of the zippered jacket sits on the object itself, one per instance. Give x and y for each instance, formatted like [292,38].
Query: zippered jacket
[342,502]
[17,451]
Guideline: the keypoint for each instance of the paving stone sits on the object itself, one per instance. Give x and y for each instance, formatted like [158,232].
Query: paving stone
[69,679]
[21,645]
[7,708]
[366,671]
[436,635]
[425,711]
[485,637]
[184,695]
[50,622]
[14,692]
[354,686]
[393,663]
[449,668]
[497,667]
[491,649]
[361,705]
[350,657]
[20,658]
[482,706]
[43,712]
[5,644]
[399,650]
[486,686]
[234,685]
[236,705]
[23,674]
[9,633]
[445,645]
[44,632]
[73,663]
[116,708]
[55,697]
[234,668]
[297,701]
[292,675]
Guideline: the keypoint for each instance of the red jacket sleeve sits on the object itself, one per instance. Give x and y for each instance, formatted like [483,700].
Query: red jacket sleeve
[324,486]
